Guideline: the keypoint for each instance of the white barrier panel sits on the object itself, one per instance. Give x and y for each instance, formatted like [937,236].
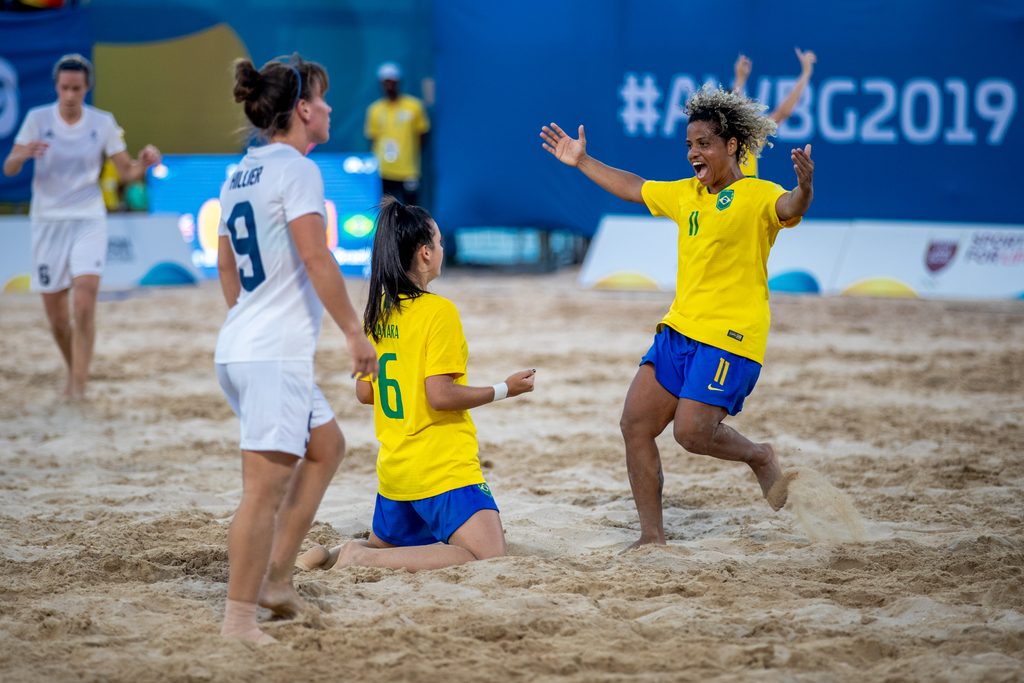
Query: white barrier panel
[932,260]
[880,258]
[632,252]
[141,250]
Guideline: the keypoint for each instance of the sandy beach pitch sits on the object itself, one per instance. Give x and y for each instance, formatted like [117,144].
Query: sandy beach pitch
[113,516]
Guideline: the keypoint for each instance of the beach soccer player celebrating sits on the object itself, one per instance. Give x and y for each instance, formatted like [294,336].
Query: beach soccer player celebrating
[67,142]
[433,507]
[708,350]
[278,276]
[785,109]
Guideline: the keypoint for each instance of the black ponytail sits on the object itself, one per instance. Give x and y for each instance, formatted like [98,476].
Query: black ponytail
[401,230]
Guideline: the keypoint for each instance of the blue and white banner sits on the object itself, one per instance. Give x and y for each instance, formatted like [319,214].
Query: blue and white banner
[30,44]
[913,110]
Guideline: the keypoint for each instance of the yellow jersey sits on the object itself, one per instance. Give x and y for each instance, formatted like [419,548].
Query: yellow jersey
[395,129]
[749,166]
[423,452]
[722,276]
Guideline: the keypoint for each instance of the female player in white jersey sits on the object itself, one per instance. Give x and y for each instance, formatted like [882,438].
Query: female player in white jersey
[278,276]
[67,141]
[433,507]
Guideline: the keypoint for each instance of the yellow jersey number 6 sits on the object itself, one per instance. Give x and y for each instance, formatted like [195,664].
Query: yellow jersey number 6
[384,383]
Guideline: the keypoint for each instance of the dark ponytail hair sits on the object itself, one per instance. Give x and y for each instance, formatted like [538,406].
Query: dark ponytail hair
[271,93]
[401,230]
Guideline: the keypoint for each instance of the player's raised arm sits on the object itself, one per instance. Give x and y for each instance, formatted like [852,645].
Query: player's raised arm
[573,152]
[786,107]
[795,203]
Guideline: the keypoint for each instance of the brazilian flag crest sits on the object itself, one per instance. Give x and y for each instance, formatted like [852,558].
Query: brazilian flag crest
[485,488]
[724,200]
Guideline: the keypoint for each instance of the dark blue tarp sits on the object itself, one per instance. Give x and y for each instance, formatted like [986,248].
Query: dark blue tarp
[30,44]
[912,113]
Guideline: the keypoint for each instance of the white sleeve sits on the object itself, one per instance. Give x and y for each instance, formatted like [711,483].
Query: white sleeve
[222,226]
[29,131]
[302,190]
[114,142]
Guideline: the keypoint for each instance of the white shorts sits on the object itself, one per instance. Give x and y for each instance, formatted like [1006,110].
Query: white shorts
[277,402]
[64,249]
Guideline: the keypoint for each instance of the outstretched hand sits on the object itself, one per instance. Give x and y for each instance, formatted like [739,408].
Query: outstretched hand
[803,166]
[742,67]
[807,60]
[568,150]
[520,382]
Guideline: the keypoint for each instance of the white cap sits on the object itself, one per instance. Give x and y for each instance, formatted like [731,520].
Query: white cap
[389,71]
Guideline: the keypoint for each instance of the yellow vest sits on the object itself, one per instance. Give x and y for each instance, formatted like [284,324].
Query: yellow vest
[395,129]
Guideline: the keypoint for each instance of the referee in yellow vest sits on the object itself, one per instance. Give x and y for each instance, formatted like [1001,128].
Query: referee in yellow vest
[395,126]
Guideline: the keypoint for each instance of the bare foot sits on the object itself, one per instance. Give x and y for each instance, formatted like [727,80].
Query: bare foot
[779,491]
[766,468]
[251,635]
[314,558]
[282,599]
[347,555]
[641,542]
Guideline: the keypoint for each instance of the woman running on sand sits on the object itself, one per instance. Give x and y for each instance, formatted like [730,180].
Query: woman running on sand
[708,350]
[278,277]
[433,507]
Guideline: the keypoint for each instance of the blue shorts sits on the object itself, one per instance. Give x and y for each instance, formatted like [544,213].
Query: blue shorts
[701,372]
[426,521]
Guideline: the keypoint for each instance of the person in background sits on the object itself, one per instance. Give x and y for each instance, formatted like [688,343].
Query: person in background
[278,276]
[395,126]
[67,142]
[709,347]
[785,109]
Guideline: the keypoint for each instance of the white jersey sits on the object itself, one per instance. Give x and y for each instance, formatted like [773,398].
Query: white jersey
[278,314]
[66,180]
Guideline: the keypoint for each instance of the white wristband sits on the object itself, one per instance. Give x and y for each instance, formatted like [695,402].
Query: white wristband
[500,391]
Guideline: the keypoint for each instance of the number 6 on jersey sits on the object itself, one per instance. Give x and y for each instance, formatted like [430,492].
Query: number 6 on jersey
[384,383]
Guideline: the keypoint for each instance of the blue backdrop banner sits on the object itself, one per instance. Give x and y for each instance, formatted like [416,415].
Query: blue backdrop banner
[912,111]
[30,44]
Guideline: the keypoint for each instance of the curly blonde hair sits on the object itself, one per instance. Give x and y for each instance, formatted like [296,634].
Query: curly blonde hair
[732,115]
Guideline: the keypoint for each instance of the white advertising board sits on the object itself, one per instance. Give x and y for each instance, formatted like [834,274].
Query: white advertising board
[879,258]
[141,250]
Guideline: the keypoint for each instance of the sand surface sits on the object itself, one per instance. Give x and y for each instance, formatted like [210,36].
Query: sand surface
[113,517]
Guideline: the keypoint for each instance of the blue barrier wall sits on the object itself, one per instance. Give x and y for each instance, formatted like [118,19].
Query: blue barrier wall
[912,112]
[30,44]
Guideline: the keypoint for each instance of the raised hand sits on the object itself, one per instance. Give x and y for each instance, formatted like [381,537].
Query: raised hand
[149,156]
[803,166]
[564,148]
[807,60]
[520,382]
[742,68]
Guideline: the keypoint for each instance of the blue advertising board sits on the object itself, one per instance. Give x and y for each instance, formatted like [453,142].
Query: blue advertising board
[30,44]
[189,186]
[912,111]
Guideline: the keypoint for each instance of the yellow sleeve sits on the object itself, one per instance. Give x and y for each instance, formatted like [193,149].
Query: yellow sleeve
[370,129]
[446,343]
[421,121]
[774,192]
[661,198]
